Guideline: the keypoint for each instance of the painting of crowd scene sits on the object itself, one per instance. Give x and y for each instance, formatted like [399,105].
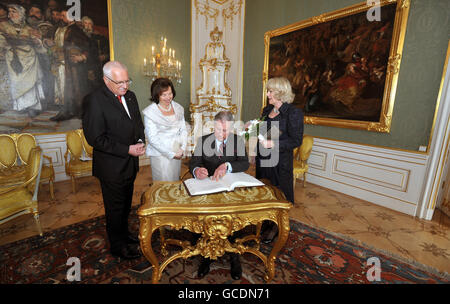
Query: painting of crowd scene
[49,61]
[337,68]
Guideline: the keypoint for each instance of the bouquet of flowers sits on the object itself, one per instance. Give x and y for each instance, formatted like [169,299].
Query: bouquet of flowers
[252,128]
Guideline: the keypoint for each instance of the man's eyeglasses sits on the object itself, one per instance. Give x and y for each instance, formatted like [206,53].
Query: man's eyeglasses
[119,83]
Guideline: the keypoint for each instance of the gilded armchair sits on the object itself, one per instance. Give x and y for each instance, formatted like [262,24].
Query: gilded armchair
[14,152]
[22,198]
[80,162]
[25,142]
[301,155]
[11,172]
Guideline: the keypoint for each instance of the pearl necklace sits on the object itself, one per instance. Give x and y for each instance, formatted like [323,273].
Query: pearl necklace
[165,109]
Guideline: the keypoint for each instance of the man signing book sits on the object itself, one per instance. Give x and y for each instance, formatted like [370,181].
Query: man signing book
[215,155]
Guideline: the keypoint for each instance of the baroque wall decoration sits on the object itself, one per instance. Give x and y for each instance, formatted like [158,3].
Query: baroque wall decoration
[217,56]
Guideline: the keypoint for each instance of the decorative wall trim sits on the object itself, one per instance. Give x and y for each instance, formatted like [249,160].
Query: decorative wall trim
[228,16]
[385,177]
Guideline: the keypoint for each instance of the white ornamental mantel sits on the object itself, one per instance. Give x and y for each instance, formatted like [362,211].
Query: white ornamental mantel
[217,58]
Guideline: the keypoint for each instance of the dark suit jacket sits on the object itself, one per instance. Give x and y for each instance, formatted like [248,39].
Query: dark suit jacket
[110,131]
[290,125]
[205,154]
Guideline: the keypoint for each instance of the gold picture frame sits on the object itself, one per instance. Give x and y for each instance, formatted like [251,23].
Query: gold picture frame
[327,52]
[52,58]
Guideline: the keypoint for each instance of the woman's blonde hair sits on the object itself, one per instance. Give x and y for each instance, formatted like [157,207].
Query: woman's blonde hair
[281,88]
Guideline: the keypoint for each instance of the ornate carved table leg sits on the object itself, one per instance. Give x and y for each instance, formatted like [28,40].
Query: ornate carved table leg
[145,236]
[283,233]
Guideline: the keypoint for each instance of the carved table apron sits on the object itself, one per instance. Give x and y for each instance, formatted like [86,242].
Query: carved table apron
[215,217]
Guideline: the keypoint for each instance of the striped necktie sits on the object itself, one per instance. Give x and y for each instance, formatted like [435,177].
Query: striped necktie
[221,147]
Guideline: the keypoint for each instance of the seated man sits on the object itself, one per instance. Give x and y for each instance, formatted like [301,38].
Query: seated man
[215,155]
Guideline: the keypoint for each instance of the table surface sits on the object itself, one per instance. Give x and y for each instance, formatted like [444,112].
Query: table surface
[172,197]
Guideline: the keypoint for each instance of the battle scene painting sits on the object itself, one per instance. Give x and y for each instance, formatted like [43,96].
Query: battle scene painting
[338,69]
[49,60]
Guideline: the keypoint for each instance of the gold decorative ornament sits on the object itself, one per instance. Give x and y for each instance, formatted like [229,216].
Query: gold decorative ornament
[206,10]
[231,11]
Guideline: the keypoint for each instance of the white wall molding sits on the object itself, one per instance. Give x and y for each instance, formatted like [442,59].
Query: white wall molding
[386,177]
[436,170]
[54,146]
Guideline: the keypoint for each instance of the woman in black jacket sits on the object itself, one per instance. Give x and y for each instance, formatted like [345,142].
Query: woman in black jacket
[274,160]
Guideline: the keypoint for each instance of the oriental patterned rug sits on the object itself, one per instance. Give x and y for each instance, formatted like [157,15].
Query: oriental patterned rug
[310,256]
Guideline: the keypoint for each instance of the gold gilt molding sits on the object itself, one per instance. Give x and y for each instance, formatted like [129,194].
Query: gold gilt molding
[212,107]
[207,10]
[231,11]
[220,2]
[394,64]
[392,69]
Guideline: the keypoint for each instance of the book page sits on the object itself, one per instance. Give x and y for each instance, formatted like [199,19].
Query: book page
[233,180]
[205,186]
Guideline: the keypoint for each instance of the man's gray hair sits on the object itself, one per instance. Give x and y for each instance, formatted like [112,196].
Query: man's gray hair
[224,116]
[111,65]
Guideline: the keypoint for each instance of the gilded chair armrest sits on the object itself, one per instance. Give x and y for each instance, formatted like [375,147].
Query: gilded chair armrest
[66,161]
[50,161]
[48,158]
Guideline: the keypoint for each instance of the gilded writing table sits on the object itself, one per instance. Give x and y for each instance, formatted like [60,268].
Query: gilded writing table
[215,217]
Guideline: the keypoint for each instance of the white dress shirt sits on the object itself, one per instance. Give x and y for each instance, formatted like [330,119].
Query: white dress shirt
[124,104]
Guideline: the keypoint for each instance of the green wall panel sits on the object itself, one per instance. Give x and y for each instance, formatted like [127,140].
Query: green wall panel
[139,24]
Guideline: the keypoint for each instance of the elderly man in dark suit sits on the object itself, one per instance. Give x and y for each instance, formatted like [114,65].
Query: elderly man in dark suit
[215,155]
[113,126]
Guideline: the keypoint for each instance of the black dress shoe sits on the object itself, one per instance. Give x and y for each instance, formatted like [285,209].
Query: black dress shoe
[127,253]
[269,239]
[132,239]
[269,231]
[203,269]
[236,268]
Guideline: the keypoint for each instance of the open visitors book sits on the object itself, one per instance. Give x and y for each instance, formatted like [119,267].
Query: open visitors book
[227,183]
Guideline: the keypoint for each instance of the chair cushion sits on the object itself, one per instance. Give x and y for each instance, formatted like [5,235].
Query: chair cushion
[77,166]
[13,175]
[47,173]
[15,201]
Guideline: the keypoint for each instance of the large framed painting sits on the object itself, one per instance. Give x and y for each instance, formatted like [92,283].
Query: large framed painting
[51,56]
[344,65]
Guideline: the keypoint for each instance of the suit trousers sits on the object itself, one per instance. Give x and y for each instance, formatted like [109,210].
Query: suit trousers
[117,199]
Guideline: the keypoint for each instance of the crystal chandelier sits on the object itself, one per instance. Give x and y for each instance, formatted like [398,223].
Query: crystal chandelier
[162,63]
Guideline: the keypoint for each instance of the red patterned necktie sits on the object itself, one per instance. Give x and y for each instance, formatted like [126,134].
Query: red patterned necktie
[120,98]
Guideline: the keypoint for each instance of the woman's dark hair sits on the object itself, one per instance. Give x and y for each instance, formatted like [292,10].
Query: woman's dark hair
[159,86]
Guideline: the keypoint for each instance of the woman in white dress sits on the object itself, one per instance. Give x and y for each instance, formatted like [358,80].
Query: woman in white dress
[166,132]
